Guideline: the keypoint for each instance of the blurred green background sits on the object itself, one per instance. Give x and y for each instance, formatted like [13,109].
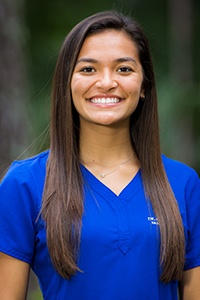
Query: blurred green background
[31,33]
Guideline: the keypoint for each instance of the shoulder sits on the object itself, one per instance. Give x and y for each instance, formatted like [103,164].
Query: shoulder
[183,178]
[30,168]
[185,183]
[179,171]
[37,161]
[20,203]
[23,183]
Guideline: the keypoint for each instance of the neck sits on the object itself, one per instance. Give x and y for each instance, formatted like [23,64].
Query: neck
[105,145]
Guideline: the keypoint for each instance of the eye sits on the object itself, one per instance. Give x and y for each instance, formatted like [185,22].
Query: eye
[87,70]
[125,70]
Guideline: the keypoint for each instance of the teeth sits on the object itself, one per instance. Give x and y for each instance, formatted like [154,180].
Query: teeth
[105,100]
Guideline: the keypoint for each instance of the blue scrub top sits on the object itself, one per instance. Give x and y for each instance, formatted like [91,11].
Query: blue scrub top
[119,253]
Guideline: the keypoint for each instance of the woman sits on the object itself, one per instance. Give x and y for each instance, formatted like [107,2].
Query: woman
[102,216]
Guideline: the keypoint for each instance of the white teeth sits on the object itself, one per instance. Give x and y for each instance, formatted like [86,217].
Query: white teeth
[105,100]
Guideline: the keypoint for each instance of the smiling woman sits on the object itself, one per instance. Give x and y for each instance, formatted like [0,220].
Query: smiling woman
[107,86]
[100,215]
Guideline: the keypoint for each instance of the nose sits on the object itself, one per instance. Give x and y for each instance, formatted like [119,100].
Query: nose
[107,81]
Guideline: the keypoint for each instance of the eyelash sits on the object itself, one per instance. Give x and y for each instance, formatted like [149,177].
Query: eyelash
[87,70]
[125,69]
[120,70]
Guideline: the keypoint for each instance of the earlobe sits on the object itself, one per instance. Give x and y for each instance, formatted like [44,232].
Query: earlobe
[142,95]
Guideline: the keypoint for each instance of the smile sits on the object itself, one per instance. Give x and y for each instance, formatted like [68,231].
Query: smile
[105,100]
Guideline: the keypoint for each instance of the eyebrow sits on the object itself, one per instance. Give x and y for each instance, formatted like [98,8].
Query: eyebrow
[124,59]
[85,59]
[118,60]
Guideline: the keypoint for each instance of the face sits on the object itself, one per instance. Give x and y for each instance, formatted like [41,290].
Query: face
[107,80]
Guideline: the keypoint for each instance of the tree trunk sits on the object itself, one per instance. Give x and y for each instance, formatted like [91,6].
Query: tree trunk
[13,116]
[13,88]
[181,40]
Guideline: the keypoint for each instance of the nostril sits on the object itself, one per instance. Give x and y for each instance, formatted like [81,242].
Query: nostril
[107,84]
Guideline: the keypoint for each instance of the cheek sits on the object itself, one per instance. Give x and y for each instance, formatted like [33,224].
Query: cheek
[75,94]
[134,94]
[80,86]
[135,90]
[77,104]
[75,86]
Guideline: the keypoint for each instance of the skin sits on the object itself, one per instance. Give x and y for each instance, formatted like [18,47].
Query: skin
[14,275]
[108,67]
[190,286]
[101,73]
[104,74]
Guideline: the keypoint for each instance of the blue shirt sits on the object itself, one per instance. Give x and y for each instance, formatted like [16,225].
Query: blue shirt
[119,254]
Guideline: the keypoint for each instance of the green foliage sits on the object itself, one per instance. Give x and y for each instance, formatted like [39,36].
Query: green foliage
[35,295]
[48,22]
[179,109]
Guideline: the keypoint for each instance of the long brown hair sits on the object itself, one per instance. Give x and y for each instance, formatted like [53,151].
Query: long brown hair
[62,206]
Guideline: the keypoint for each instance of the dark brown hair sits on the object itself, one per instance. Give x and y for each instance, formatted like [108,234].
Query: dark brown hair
[62,206]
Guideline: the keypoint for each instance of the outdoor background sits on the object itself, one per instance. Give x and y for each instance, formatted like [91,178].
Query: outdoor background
[31,33]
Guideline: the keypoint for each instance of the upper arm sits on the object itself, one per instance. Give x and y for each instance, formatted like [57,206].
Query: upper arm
[190,285]
[14,275]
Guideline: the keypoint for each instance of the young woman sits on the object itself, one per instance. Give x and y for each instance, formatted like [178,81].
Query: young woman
[102,215]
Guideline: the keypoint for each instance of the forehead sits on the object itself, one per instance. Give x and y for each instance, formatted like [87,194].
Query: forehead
[109,41]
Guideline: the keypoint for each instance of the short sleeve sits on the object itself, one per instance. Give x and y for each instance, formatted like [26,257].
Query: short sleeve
[18,212]
[192,195]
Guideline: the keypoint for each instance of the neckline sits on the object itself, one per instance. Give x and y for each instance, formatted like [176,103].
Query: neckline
[99,187]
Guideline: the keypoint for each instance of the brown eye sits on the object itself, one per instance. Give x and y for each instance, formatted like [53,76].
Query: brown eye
[87,70]
[125,70]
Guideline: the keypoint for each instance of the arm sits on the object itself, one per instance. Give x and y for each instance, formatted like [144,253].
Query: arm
[14,275]
[190,285]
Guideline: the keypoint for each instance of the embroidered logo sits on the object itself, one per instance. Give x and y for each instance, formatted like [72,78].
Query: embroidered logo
[154,221]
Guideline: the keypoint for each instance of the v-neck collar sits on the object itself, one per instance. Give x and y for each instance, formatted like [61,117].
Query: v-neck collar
[134,185]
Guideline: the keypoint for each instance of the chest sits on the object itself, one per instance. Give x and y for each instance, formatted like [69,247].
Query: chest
[121,222]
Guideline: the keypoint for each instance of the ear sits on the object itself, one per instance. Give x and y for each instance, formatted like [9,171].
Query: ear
[142,94]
